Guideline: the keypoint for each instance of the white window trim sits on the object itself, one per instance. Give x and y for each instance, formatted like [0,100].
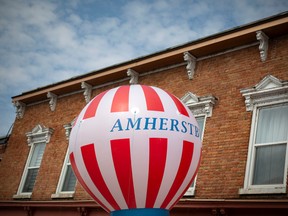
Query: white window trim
[39,134]
[191,190]
[200,107]
[204,124]
[59,193]
[268,92]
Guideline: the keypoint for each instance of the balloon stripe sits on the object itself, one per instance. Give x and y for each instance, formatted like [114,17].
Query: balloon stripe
[92,107]
[120,149]
[153,100]
[120,101]
[186,158]
[157,160]
[181,108]
[135,147]
[82,182]
[92,166]
[193,178]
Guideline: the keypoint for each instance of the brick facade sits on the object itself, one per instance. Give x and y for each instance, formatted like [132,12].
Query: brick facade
[226,135]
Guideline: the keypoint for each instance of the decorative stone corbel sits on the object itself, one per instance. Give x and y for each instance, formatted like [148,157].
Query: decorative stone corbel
[67,128]
[87,91]
[20,109]
[48,133]
[208,109]
[263,46]
[191,64]
[134,76]
[29,138]
[53,100]
[248,103]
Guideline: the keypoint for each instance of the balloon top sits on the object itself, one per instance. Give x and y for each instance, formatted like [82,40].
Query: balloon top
[135,147]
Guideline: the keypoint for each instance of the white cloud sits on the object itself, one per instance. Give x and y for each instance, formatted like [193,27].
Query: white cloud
[42,42]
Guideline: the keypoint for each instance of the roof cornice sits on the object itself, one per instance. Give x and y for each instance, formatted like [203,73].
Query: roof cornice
[273,27]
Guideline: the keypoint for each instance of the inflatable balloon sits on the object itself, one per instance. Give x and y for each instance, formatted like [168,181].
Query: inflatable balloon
[135,149]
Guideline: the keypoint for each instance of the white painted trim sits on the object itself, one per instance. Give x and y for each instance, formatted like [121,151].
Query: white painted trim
[269,91]
[134,76]
[87,91]
[25,172]
[20,109]
[191,64]
[59,193]
[151,72]
[39,134]
[263,190]
[263,46]
[53,100]
[191,190]
[199,105]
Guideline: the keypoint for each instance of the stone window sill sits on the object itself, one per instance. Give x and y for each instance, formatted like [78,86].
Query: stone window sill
[62,195]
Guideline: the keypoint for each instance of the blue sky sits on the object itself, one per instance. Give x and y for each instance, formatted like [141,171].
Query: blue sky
[47,41]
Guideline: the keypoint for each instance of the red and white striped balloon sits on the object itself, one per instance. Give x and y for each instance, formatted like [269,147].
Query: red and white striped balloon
[135,147]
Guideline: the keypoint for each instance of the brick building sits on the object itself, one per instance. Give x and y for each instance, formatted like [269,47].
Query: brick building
[235,83]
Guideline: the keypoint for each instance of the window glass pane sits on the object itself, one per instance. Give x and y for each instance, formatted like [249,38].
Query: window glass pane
[70,180]
[272,124]
[200,121]
[37,154]
[269,164]
[193,183]
[30,180]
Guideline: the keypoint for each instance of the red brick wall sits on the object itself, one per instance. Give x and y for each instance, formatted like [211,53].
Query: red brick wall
[226,135]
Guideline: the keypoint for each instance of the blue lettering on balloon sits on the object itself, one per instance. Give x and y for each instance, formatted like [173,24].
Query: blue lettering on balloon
[184,128]
[117,125]
[147,123]
[174,125]
[197,134]
[191,128]
[163,124]
[132,124]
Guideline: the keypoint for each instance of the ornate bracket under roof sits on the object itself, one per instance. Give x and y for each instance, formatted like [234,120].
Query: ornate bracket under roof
[68,128]
[38,134]
[263,46]
[199,105]
[53,100]
[268,90]
[20,109]
[191,64]
[134,76]
[87,91]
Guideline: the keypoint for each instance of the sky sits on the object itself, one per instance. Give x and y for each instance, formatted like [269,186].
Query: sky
[47,41]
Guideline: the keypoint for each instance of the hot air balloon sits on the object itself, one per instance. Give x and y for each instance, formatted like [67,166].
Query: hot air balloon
[135,149]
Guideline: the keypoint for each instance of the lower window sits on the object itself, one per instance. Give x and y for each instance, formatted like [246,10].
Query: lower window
[268,157]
